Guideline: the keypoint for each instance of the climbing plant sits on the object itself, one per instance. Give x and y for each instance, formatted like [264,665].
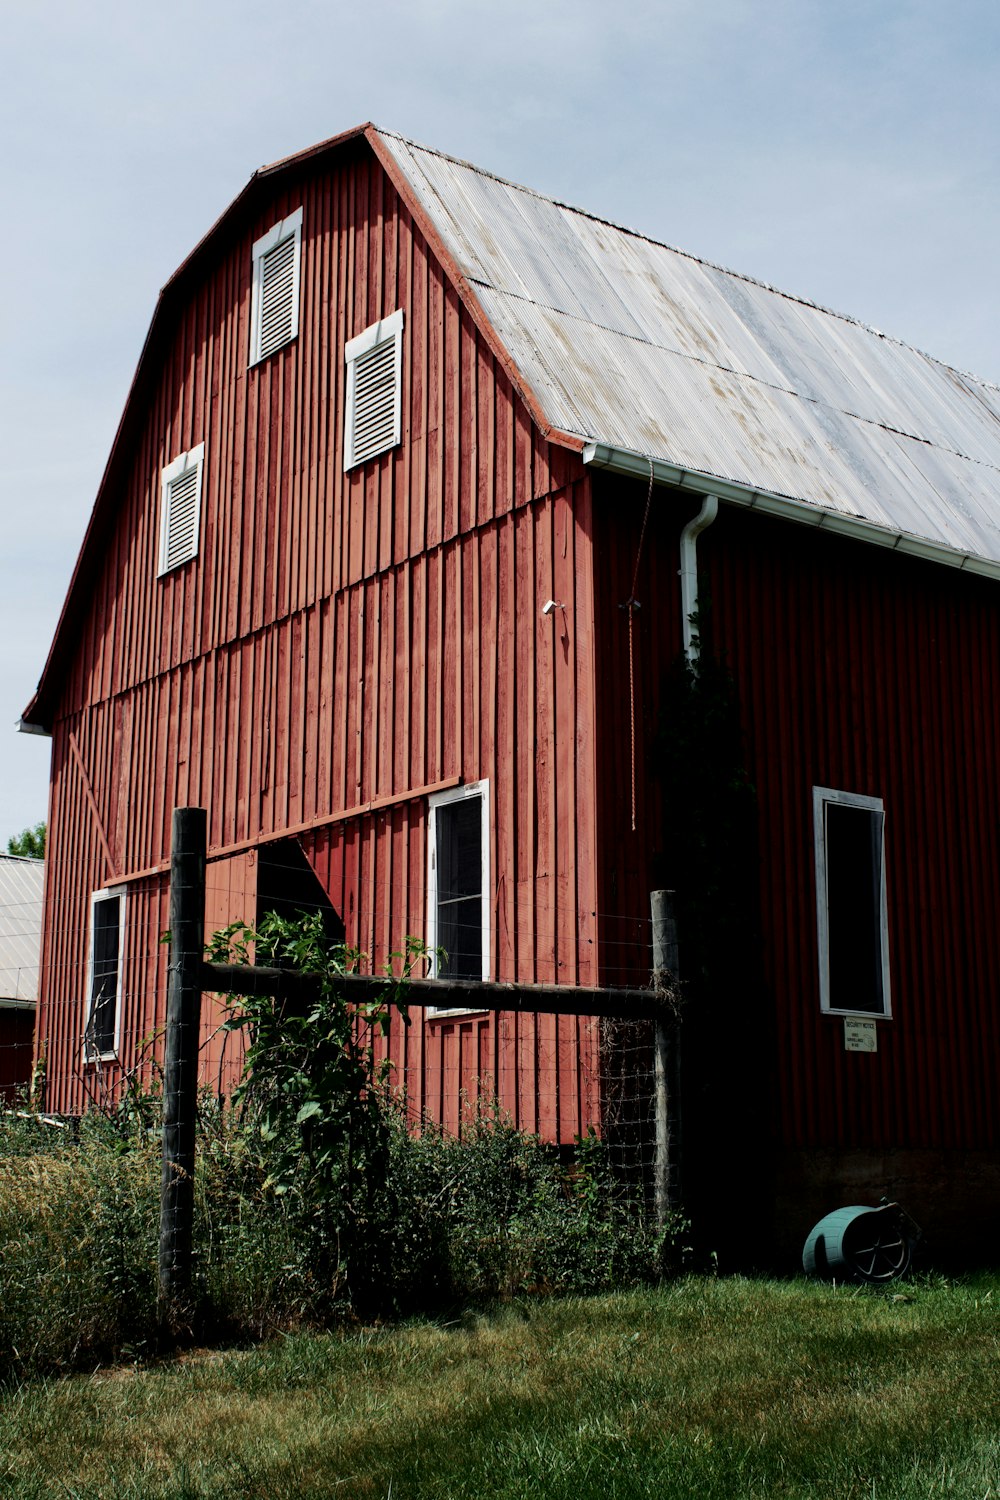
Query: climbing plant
[710,859]
[309,1103]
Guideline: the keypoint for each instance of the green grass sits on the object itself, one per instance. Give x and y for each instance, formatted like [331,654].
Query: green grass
[704,1388]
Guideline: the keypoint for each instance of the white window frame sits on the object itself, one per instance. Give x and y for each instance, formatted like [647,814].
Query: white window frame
[822,797]
[194,458]
[436,801]
[386,330]
[91,1053]
[286,229]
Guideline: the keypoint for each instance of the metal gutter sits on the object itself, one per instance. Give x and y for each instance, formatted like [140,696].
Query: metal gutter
[622,461]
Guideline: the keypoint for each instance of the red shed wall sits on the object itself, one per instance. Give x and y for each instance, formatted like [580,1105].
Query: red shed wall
[341,640]
[858,669]
[17,1032]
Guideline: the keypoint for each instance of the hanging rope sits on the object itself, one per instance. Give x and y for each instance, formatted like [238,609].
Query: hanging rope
[632,604]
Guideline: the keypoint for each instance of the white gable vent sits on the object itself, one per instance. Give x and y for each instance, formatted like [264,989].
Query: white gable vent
[374,377]
[274,309]
[180,509]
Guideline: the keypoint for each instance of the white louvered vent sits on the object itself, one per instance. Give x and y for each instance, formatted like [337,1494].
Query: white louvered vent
[374,372]
[277,288]
[274,314]
[180,509]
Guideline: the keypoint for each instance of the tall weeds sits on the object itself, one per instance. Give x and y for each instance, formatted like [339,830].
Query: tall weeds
[455,1222]
[78,1217]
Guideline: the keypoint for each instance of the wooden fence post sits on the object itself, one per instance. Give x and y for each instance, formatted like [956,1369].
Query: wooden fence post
[189,974]
[180,1064]
[666,1062]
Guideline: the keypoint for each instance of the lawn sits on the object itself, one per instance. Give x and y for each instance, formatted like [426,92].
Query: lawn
[707,1388]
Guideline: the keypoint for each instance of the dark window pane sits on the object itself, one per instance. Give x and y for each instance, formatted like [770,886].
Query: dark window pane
[459,887]
[460,935]
[854,906]
[104,991]
[459,826]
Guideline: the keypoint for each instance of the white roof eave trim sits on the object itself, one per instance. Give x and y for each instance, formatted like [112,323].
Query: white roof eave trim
[637,465]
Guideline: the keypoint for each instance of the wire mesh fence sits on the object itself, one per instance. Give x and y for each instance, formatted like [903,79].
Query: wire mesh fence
[560,1077]
[450,1065]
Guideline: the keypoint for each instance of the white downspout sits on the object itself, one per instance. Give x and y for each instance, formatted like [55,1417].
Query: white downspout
[689,573]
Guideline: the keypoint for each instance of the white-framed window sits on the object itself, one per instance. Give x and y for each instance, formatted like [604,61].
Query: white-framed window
[373,415]
[102,1033]
[274,305]
[458,881]
[851,920]
[180,509]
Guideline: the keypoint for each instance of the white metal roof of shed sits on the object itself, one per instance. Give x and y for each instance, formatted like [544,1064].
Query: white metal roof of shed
[640,349]
[21,882]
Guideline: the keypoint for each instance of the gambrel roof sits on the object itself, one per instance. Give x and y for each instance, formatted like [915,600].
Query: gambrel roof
[642,357]
[642,350]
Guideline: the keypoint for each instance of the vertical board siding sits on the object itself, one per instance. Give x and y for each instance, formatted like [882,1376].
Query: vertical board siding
[623,698]
[230,896]
[342,638]
[855,669]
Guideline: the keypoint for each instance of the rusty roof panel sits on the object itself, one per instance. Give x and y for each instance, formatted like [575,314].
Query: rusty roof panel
[633,345]
[21,882]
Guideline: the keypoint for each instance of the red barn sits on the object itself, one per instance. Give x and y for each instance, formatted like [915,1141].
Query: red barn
[423,488]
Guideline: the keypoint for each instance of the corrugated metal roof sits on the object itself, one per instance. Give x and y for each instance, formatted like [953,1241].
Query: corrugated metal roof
[633,345]
[21,882]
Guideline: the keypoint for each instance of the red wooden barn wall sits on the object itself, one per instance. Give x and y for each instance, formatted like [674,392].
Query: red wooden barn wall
[340,640]
[863,670]
[17,1032]
[629,695]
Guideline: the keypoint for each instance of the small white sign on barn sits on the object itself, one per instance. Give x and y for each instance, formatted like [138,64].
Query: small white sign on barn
[860,1036]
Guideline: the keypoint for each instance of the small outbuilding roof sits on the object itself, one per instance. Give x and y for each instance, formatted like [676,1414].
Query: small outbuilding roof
[21,883]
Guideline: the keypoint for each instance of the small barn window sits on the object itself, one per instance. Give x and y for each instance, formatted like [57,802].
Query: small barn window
[373,420]
[274,306]
[851,903]
[180,509]
[104,975]
[458,865]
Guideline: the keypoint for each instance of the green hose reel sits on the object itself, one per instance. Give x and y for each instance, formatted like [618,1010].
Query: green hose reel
[861,1244]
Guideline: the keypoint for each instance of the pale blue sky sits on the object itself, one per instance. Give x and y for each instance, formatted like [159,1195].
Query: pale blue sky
[844,151]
